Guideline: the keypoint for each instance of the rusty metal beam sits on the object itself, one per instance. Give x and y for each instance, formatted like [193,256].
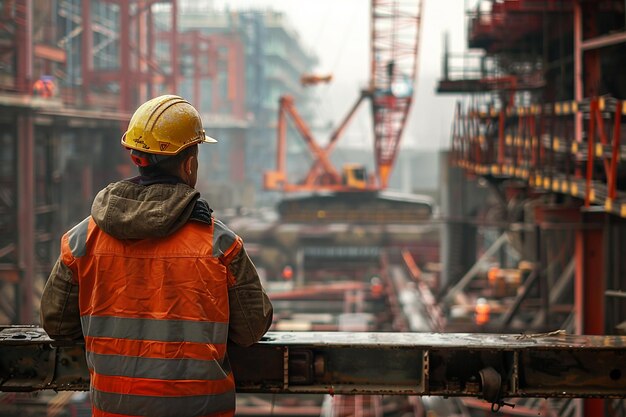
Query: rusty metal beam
[604,41]
[26,216]
[49,53]
[487,366]
[86,51]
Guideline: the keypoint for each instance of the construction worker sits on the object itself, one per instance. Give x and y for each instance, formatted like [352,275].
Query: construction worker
[482,312]
[154,283]
[44,87]
[287,273]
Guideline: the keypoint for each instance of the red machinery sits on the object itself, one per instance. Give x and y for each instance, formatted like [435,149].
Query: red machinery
[395,32]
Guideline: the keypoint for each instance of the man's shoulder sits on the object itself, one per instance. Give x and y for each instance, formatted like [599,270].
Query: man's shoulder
[202,212]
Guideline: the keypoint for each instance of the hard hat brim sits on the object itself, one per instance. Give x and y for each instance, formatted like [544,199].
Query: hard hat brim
[208,139]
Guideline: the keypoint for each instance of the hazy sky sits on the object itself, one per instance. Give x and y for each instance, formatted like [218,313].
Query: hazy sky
[338,33]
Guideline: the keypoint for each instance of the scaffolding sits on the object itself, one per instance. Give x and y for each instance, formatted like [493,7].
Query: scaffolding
[543,127]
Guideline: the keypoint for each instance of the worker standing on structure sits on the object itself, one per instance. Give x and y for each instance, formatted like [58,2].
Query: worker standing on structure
[482,312]
[154,283]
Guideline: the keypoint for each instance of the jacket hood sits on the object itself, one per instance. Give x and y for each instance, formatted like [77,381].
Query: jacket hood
[127,210]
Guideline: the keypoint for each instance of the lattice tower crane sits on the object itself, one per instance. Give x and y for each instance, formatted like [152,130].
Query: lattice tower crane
[395,35]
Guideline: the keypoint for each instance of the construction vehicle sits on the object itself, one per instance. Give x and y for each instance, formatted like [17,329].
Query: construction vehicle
[355,176]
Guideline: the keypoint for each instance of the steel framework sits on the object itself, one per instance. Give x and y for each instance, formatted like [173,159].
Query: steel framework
[572,149]
[105,57]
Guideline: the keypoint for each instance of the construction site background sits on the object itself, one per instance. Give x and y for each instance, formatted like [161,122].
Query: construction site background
[518,227]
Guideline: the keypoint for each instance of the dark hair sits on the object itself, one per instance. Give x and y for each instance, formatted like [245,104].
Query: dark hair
[169,166]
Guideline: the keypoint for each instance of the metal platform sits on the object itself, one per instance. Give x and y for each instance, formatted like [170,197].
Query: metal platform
[486,366]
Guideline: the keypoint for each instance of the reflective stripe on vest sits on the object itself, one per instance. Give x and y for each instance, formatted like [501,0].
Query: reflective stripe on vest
[158,330]
[223,238]
[158,406]
[157,368]
[77,238]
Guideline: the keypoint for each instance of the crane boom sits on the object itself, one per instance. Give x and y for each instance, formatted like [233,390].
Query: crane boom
[395,35]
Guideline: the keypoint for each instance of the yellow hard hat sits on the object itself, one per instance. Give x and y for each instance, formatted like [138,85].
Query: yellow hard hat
[164,125]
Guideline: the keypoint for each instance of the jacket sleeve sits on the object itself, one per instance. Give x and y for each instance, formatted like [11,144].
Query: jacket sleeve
[251,311]
[60,313]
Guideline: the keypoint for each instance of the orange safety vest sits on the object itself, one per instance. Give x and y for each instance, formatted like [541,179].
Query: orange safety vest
[155,314]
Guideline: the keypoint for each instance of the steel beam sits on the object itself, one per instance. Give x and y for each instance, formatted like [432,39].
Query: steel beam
[590,275]
[49,53]
[26,215]
[24,45]
[589,287]
[578,69]
[487,366]
[604,41]
[174,59]
[86,51]
[126,101]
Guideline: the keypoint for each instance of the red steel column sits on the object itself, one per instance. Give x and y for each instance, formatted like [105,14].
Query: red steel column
[615,150]
[591,59]
[86,50]
[26,215]
[501,138]
[142,41]
[197,70]
[150,34]
[237,156]
[281,146]
[578,69]
[125,76]
[25,166]
[174,49]
[236,77]
[589,288]
[24,46]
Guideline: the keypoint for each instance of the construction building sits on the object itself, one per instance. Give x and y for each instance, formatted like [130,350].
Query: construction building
[519,247]
[72,72]
[541,128]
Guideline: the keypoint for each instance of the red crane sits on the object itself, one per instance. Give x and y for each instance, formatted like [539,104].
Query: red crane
[395,33]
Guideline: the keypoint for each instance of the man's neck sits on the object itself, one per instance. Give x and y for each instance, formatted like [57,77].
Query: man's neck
[159,179]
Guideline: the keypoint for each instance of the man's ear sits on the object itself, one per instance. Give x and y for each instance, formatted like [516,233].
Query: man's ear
[188,165]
